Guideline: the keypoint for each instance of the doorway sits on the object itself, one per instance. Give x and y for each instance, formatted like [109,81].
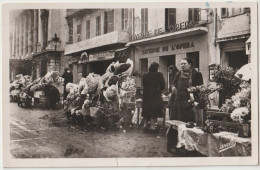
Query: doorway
[237,59]
[165,62]
[44,67]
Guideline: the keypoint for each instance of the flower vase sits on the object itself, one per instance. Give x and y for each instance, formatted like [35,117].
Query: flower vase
[243,130]
[199,117]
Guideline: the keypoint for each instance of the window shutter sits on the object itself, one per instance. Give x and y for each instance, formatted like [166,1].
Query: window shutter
[146,20]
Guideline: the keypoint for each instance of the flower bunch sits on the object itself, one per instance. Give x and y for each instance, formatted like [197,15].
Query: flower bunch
[239,114]
[129,84]
[199,96]
[225,76]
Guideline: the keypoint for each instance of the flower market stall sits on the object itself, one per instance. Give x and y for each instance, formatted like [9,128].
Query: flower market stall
[99,98]
[27,92]
[218,132]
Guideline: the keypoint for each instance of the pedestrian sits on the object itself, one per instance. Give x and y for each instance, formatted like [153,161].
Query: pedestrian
[68,78]
[173,70]
[153,85]
[184,79]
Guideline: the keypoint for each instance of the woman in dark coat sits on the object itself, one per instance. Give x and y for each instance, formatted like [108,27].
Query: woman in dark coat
[153,84]
[184,79]
[68,78]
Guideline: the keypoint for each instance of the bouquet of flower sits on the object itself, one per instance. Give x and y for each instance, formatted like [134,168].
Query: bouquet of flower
[230,83]
[111,93]
[199,96]
[239,114]
[129,84]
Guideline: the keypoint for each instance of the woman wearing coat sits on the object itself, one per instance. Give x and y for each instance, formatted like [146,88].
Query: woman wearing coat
[184,79]
[153,84]
[68,78]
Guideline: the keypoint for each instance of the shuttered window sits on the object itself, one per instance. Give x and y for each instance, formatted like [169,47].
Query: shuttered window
[170,18]
[109,21]
[98,26]
[79,33]
[144,20]
[88,29]
[194,15]
[124,18]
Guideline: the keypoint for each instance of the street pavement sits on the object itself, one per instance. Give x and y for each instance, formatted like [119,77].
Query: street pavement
[37,133]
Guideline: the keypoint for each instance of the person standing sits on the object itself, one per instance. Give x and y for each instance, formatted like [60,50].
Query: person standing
[68,78]
[173,70]
[184,79]
[153,85]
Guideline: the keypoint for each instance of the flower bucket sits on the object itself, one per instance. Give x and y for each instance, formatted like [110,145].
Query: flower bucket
[243,130]
[199,117]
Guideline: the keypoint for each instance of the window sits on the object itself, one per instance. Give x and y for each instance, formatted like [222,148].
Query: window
[124,18]
[109,21]
[144,20]
[78,33]
[170,18]
[194,15]
[98,25]
[237,11]
[194,56]
[70,24]
[88,29]
[224,12]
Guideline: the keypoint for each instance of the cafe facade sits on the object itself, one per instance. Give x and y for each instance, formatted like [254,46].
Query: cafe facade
[168,45]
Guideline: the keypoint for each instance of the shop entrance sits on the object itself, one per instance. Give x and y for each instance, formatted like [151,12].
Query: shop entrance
[44,63]
[195,58]
[165,62]
[99,67]
[237,59]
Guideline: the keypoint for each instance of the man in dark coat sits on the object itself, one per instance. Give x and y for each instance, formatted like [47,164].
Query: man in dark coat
[68,78]
[153,84]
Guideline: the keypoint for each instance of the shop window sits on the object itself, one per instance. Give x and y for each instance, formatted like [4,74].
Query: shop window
[124,18]
[236,11]
[109,21]
[194,15]
[79,69]
[88,29]
[170,18]
[194,56]
[237,59]
[144,20]
[98,25]
[78,32]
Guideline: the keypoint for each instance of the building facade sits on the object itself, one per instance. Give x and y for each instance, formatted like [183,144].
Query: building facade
[168,35]
[97,37]
[233,31]
[38,35]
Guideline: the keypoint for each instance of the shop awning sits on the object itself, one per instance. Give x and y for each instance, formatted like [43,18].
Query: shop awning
[169,36]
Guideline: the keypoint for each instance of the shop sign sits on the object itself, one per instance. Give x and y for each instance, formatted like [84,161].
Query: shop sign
[102,56]
[182,46]
[159,31]
[166,48]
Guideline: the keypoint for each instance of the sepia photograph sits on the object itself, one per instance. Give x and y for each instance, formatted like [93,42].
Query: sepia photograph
[131,84]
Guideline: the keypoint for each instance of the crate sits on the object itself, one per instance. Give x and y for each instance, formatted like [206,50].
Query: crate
[223,119]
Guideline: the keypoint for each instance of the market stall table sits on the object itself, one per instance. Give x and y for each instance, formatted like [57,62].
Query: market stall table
[216,144]
[138,105]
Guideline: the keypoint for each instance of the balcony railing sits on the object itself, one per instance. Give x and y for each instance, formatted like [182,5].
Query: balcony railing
[102,40]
